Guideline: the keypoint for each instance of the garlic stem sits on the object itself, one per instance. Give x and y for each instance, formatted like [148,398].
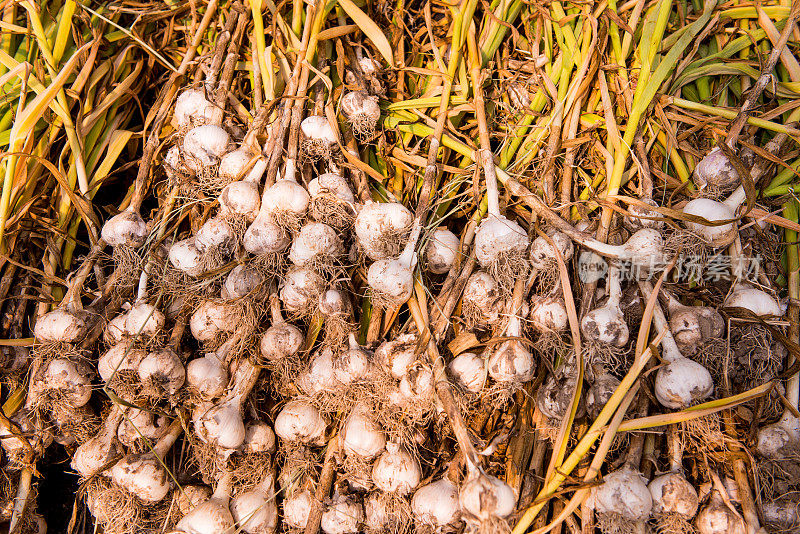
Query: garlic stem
[669,349]
[165,443]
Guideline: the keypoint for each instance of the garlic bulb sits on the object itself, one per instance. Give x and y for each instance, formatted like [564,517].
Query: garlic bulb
[332,201]
[361,435]
[162,371]
[95,453]
[255,511]
[468,370]
[600,392]
[318,377]
[60,325]
[753,299]
[296,509]
[211,319]
[381,229]
[316,243]
[362,112]
[203,146]
[692,326]
[233,165]
[72,380]
[216,236]
[436,504]
[189,496]
[300,421]
[144,319]
[606,324]
[778,440]
[140,425]
[258,438]
[481,302]
[241,198]
[711,210]
[121,357]
[781,514]
[222,424]
[542,253]
[554,396]
[673,494]
[192,109]
[207,376]
[184,256]
[287,201]
[301,289]
[126,228]
[353,364]
[376,515]
[396,471]
[115,329]
[144,475]
[499,240]
[484,498]
[282,339]
[212,516]
[548,314]
[441,251]
[644,250]
[392,281]
[243,281]
[318,137]
[717,518]
[417,386]
[512,363]
[623,492]
[397,356]
[342,516]
[715,170]
[265,236]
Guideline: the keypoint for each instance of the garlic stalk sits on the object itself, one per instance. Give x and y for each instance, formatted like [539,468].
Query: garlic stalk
[145,475]
[681,382]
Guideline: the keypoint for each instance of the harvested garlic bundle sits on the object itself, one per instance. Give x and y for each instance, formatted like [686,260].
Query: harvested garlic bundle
[681,382]
[281,340]
[396,471]
[91,456]
[299,421]
[255,511]
[606,324]
[222,424]
[144,475]
[692,326]
[441,251]
[436,504]
[319,139]
[362,112]
[469,371]
[212,516]
[481,304]
[361,435]
[381,229]
[343,515]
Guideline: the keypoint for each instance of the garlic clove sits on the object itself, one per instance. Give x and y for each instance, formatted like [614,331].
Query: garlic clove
[192,109]
[264,236]
[623,492]
[144,319]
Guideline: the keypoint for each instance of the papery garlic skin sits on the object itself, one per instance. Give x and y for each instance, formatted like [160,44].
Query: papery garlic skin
[442,251]
[483,498]
[342,516]
[297,508]
[623,492]
[436,504]
[469,371]
[362,436]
